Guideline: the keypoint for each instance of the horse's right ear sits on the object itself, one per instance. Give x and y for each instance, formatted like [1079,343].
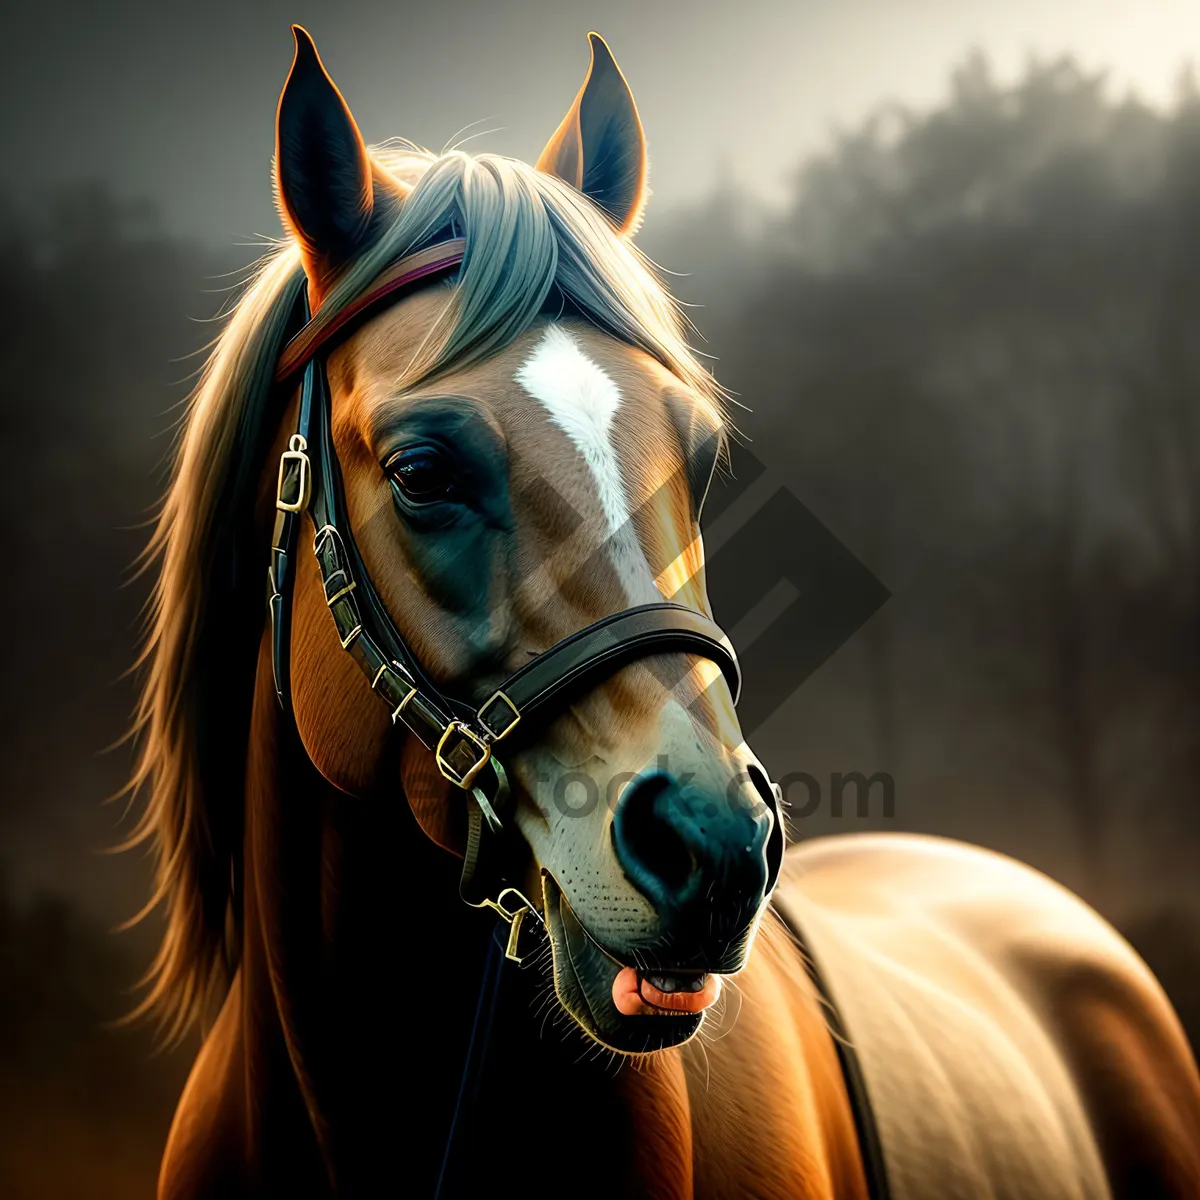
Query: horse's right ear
[330,197]
[600,147]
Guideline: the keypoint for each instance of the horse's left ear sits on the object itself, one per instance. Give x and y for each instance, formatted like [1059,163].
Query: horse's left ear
[600,147]
[331,196]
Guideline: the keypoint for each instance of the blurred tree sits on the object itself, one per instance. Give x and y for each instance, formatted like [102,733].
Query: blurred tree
[970,343]
[84,1106]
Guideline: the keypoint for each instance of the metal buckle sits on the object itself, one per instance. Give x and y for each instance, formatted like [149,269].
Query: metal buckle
[295,452]
[466,737]
[514,714]
[515,918]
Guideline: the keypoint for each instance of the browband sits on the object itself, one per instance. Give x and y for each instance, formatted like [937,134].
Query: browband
[325,328]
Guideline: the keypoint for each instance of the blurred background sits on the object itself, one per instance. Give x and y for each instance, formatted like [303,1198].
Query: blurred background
[946,253]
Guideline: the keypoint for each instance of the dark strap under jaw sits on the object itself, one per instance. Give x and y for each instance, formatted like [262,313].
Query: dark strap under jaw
[462,737]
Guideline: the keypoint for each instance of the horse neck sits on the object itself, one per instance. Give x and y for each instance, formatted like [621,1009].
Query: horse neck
[357,958]
[360,976]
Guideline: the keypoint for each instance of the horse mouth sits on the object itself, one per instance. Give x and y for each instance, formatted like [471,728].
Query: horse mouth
[624,1008]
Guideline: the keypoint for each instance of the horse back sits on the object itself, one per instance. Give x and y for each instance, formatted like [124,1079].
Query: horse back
[1012,1044]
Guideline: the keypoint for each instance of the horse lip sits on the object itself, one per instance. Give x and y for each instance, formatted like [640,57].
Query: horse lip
[730,963]
[583,978]
[568,960]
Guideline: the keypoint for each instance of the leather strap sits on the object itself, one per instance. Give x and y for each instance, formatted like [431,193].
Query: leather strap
[870,1146]
[585,658]
[292,498]
[329,326]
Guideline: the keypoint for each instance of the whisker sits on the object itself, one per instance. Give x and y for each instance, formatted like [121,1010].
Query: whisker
[456,139]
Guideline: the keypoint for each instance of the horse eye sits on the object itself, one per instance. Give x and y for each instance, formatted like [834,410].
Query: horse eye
[423,475]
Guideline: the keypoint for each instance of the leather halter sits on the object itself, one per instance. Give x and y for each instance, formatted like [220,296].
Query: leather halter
[462,737]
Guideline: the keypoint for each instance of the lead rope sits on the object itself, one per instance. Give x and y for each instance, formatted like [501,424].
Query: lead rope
[477,1048]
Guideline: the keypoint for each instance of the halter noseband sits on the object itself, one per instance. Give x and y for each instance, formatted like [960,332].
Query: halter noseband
[463,738]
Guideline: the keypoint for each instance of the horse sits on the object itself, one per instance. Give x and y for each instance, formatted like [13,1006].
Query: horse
[461,377]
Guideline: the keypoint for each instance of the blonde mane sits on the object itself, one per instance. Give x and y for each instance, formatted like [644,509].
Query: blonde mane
[533,244]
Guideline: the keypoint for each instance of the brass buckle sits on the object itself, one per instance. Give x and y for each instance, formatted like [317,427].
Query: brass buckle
[296,452]
[515,918]
[514,714]
[465,737]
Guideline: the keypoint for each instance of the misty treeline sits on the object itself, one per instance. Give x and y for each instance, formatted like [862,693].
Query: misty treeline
[97,316]
[84,1105]
[95,303]
[970,346]
[970,343]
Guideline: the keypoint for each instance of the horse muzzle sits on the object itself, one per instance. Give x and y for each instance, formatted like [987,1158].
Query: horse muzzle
[707,865]
[704,861]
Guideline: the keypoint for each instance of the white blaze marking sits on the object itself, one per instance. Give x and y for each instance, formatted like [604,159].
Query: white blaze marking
[582,401]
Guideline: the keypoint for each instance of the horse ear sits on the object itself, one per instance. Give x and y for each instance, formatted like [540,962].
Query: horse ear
[329,195]
[600,147]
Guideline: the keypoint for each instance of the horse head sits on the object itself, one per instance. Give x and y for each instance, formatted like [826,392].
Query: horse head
[514,453]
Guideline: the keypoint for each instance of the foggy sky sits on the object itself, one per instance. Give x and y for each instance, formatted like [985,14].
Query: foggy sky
[176,101]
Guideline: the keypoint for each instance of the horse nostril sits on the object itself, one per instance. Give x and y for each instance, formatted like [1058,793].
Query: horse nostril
[649,845]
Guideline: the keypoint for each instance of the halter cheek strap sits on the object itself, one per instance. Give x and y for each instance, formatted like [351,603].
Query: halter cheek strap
[462,737]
